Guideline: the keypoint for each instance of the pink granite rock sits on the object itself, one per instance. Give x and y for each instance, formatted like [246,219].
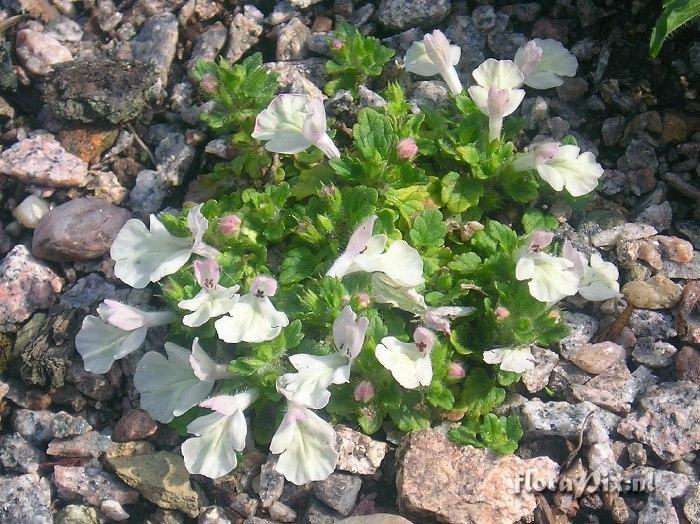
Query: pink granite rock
[25,286]
[41,160]
[37,52]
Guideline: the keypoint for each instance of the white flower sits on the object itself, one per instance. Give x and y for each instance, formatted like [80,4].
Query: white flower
[409,363]
[517,360]
[253,318]
[497,94]
[293,123]
[212,452]
[117,331]
[544,62]
[599,279]
[435,56]
[385,291]
[30,211]
[306,445]
[551,278]
[316,373]
[365,252]
[142,256]
[212,300]
[170,386]
[562,167]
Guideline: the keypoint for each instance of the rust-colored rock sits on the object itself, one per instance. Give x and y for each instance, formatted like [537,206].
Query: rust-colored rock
[439,481]
[87,142]
[688,364]
[134,425]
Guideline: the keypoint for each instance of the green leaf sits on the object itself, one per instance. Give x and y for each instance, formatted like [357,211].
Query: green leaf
[465,263]
[535,220]
[374,136]
[500,434]
[440,396]
[298,264]
[370,418]
[675,14]
[479,393]
[358,203]
[459,193]
[428,230]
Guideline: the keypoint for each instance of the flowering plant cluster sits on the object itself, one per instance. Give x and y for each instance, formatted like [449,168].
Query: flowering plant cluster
[359,277]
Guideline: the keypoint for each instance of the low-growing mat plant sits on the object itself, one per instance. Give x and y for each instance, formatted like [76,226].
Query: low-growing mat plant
[362,275]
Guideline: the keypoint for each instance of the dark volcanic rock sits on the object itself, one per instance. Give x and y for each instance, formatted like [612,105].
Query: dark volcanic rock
[100,90]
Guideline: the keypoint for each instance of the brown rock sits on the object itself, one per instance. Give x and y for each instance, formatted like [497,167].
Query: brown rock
[596,358]
[134,425]
[87,142]
[657,292]
[445,482]
[675,248]
[377,518]
[688,364]
[81,229]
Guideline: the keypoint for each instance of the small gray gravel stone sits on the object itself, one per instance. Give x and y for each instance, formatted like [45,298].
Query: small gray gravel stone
[243,33]
[401,14]
[16,454]
[25,499]
[561,418]
[339,491]
[654,354]
[42,426]
[156,43]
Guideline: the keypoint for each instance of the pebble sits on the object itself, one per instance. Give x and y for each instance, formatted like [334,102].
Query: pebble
[77,514]
[117,90]
[358,453]
[26,498]
[41,160]
[687,271]
[292,41]
[376,518]
[91,485]
[80,229]
[612,129]
[26,285]
[160,478]
[658,216]
[114,510]
[37,52]
[207,45]
[271,483]
[318,513]
[639,154]
[282,12]
[88,291]
[432,94]
[301,76]
[657,292]
[243,504]
[688,364]
[561,419]
[622,233]
[156,43]
[42,426]
[607,390]
[303,4]
[213,515]
[572,89]
[399,15]
[595,358]
[134,425]
[439,481]
[17,454]
[667,420]
[339,491]
[654,354]
[243,33]
[656,324]
[691,507]
[545,361]
[280,512]
[90,444]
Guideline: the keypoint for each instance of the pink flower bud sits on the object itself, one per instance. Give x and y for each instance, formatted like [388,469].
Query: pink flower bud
[424,339]
[263,286]
[337,44]
[364,391]
[455,371]
[501,313]
[406,149]
[363,299]
[209,83]
[230,225]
